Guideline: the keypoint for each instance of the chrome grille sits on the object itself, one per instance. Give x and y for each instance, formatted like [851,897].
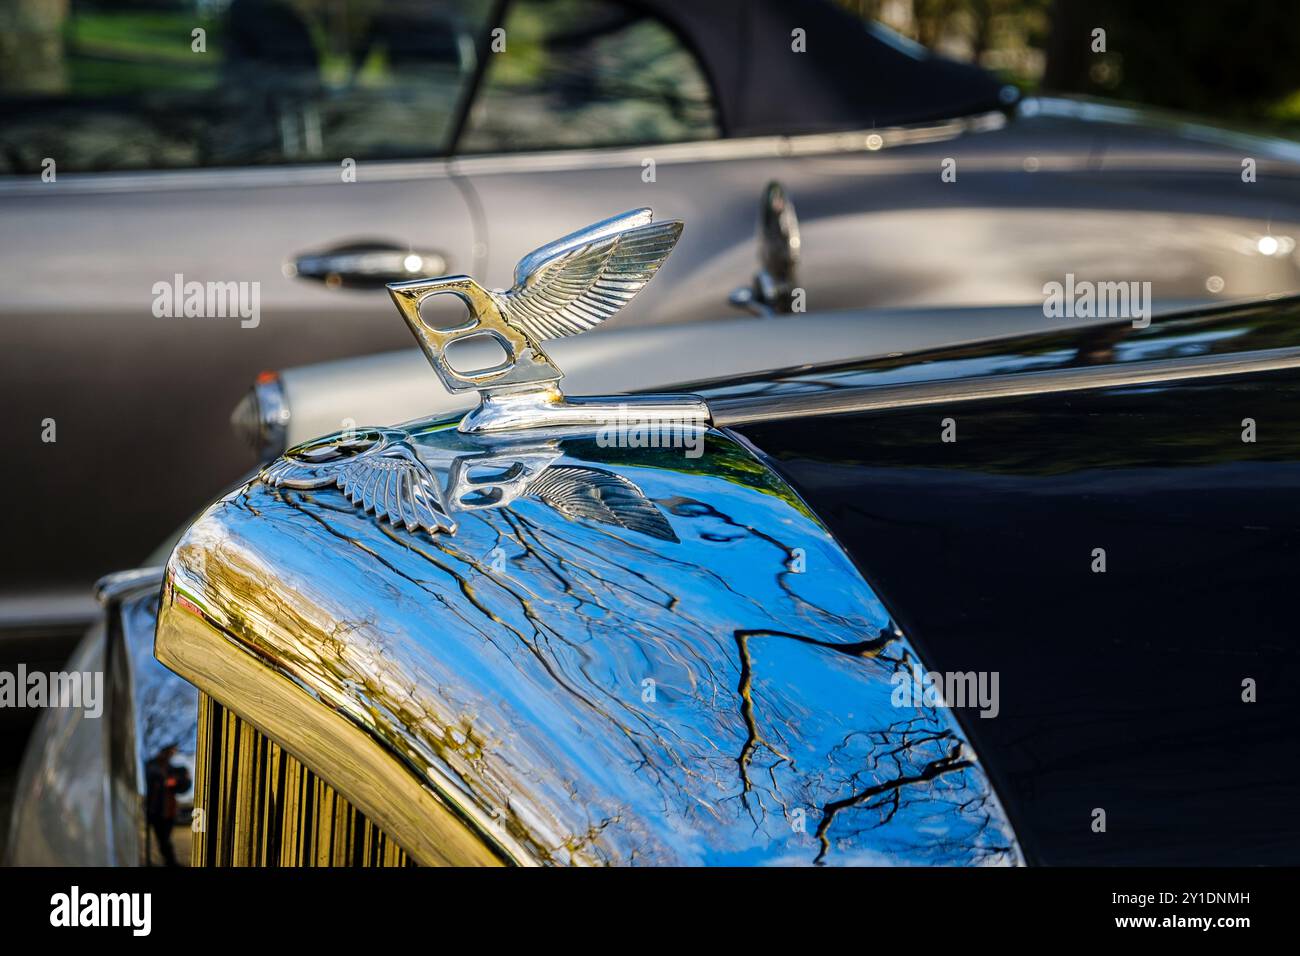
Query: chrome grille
[261,807]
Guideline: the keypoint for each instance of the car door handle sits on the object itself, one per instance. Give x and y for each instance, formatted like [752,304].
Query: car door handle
[367,265]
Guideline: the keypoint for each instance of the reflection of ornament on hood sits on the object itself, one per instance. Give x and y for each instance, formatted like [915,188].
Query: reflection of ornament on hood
[497,475]
[379,471]
[564,288]
[601,496]
[386,474]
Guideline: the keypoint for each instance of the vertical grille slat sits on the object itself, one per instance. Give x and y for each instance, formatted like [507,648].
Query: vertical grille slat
[261,807]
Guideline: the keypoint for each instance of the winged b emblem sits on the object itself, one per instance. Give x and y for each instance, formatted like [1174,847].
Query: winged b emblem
[564,288]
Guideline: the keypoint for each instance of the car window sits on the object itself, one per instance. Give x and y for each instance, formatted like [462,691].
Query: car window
[130,84]
[583,73]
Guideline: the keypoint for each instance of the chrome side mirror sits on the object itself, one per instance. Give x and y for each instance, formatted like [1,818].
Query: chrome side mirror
[772,290]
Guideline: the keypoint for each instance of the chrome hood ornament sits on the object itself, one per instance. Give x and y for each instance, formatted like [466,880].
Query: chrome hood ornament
[420,475]
[564,288]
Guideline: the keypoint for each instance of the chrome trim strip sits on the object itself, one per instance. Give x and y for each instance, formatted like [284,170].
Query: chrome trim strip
[116,586]
[752,147]
[755,147]
[743,411]
[1188,127]
[714,150]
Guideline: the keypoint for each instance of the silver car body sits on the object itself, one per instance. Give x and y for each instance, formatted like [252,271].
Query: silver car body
[1063,188]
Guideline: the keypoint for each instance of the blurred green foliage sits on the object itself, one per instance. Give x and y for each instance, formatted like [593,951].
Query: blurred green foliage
[1238,62]
[112,53]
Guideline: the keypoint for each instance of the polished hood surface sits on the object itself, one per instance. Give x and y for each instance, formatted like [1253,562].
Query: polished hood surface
[632,656]
[1108,521]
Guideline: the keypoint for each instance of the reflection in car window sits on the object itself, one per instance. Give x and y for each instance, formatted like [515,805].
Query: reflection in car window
[128,84]
[582,73]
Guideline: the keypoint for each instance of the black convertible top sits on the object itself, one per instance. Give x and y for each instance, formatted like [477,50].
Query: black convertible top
[853,75]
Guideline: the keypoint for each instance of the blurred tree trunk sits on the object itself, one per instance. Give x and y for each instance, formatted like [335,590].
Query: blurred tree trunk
[981,12]
[932,18]
[866,9]
[31,45]
[1068,46]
